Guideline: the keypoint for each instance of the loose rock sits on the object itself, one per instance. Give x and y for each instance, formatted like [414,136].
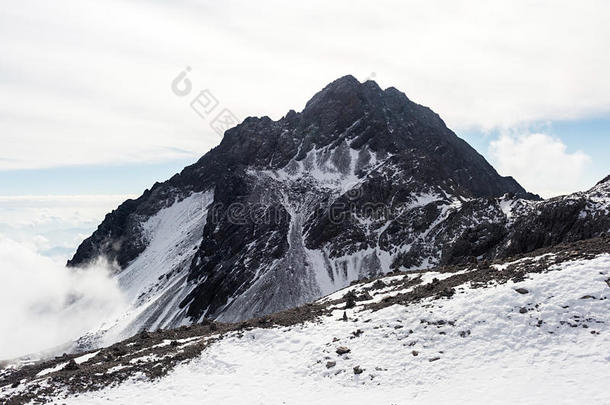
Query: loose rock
[341,350]
[71,366]
[350,300]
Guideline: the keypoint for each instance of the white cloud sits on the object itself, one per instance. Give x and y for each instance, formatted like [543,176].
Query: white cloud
[54,225]
[43,304]
[89,82]
[540,163]
[69,210]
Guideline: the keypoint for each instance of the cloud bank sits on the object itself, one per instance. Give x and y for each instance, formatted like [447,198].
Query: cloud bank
[43,304]
[54,225]
[86,82]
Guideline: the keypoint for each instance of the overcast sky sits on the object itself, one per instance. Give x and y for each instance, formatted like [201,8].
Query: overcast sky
[86,105]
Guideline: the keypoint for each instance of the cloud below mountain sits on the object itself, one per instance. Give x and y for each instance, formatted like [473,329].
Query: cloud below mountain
[43,305]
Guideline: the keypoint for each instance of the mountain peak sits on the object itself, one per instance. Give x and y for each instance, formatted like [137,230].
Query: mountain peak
[344,82]
[346,90]
[348,86]
[362,117]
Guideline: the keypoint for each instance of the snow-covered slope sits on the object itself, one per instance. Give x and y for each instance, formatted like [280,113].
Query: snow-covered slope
[531,330]
[155,282]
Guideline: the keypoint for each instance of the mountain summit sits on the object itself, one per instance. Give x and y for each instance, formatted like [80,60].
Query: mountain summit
[362,182]
[350,115]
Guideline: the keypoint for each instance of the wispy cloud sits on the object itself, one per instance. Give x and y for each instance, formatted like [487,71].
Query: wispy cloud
[43,304]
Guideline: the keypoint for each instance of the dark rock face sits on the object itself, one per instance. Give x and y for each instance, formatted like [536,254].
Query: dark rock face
[562,219]
[361,182]
[112,237]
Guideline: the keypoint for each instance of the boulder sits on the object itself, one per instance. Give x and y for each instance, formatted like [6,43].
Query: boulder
[341,350]
[71,366]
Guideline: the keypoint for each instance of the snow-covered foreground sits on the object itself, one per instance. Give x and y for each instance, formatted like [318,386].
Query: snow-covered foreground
[483,345]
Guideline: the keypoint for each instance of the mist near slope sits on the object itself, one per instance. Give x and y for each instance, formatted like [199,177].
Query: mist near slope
[44,304]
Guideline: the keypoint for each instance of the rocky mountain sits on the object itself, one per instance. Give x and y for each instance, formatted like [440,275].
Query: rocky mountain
[362,182]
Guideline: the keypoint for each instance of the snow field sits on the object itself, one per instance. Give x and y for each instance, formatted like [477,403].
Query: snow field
[486,345]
